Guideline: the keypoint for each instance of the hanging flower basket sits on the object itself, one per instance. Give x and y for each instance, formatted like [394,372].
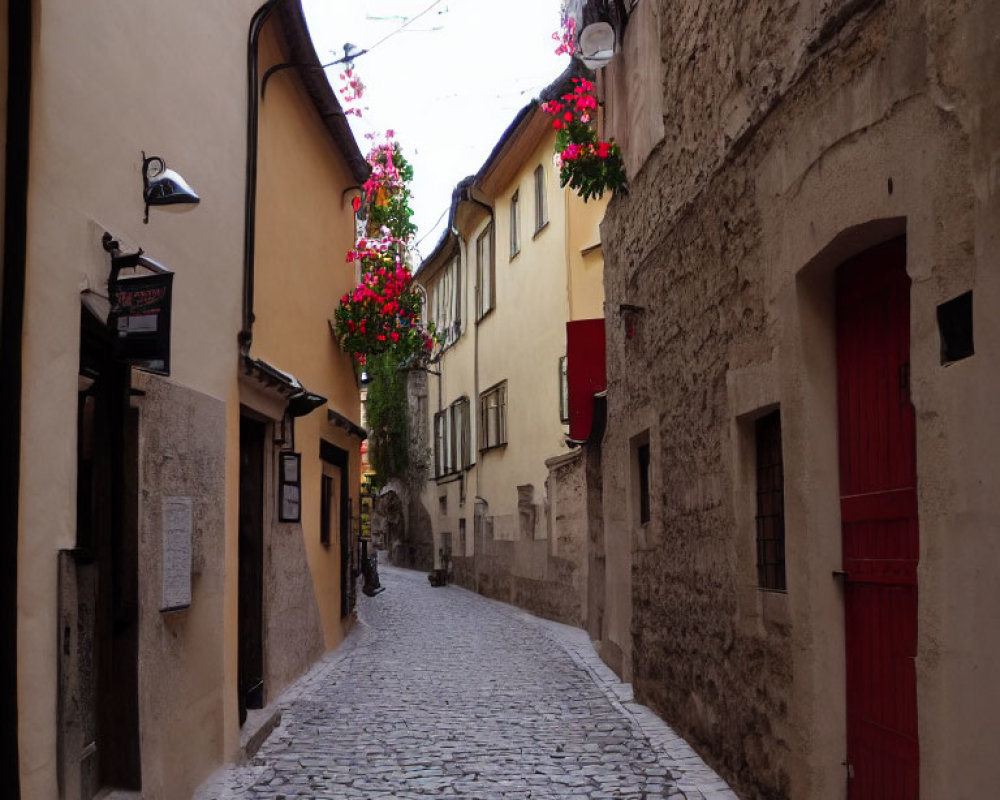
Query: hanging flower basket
[383,312]
[585,163]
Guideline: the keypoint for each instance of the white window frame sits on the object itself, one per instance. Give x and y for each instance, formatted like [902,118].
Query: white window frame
[485,273]
[446,302]
[515,224]
[541,200]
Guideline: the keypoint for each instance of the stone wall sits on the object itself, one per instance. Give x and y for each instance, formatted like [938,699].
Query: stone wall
[542,567]
[398,517]
[794,135]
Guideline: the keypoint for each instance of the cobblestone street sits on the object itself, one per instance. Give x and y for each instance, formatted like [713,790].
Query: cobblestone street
[443,693]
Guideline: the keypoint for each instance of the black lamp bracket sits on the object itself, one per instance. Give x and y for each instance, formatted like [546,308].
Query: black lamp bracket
[120,260]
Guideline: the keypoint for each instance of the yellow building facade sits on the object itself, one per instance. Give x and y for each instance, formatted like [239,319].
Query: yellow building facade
[521,259]
[175,563]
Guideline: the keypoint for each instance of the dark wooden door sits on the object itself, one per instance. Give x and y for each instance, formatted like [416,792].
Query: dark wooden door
[879,523]
[250,676]
[99,666]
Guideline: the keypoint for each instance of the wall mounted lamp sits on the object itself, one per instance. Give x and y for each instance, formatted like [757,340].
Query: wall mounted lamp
[303,403]
[599,22]
[164,187]
[597,44]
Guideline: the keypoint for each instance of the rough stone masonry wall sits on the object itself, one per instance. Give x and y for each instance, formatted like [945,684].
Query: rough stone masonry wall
[544,572]
[685,245]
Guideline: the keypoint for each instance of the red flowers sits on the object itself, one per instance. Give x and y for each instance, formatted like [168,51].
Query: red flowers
[383,311]
[587,164]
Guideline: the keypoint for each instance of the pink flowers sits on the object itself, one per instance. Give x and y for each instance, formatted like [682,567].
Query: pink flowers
[566,36]
[351,92]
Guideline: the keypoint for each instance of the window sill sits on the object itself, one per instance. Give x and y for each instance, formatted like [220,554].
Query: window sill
[492,447]
[450,477]
[513,256]
[540,230]
[485,314]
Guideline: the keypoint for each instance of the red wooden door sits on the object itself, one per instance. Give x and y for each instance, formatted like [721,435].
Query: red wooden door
[879,523]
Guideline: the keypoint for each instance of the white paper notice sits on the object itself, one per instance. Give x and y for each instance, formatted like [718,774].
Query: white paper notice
[176,553]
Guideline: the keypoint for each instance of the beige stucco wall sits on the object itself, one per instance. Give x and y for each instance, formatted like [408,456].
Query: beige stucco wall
[584,257]
[729,237]
[457,367]
[523,338]
[305,226]
[109,83]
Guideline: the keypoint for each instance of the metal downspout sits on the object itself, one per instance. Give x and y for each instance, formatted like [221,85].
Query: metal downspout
[20,35]
[250,207]
[467,195]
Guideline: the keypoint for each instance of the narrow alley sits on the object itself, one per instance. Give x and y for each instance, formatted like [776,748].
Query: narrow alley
[443,693]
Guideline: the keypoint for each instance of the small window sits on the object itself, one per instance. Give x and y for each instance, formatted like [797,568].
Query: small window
[485,283]
[460,434]
[493,417]
[515,226]
[439,459]
[446,303]
[770,503]
[541,209]
[955,325]
[452,439]
[563,392]
[642,456]
[325,510]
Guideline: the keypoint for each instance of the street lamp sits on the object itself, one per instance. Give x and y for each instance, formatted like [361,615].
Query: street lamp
[164,187]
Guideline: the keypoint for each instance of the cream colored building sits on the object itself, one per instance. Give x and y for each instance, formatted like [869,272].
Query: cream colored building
[159,592]
[521,258]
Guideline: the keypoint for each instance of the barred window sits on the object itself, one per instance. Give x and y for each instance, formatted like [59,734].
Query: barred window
[770,503]
[642,454]
[493,417]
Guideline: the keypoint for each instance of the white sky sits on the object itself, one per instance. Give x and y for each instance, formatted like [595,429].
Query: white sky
[448,84]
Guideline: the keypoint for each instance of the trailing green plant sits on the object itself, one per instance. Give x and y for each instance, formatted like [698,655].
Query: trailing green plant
[379,321]
[388,444]
[387,191]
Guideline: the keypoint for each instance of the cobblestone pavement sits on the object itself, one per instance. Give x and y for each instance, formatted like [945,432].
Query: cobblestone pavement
[439,692]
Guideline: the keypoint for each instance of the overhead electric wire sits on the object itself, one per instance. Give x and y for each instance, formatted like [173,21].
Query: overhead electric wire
[348,56]
[433,227]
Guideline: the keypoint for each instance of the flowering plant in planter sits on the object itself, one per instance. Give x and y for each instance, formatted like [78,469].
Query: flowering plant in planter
[383,312]
[387,192]
[587,164]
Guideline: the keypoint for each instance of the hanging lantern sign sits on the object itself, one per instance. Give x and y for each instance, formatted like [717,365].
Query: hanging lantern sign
[140,320]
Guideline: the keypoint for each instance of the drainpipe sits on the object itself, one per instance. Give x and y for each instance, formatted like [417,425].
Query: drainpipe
[250,205]
[468,197]
[15,246]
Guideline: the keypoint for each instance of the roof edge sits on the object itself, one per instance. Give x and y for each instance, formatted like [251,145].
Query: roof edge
[302,53]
